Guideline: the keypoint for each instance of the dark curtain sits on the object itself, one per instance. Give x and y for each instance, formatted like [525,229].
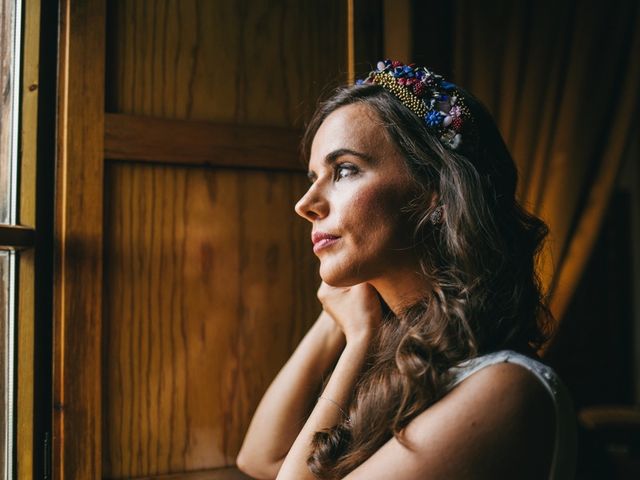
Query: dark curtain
[562,80]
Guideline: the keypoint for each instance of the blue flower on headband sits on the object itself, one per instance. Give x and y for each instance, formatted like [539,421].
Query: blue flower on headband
[433,118]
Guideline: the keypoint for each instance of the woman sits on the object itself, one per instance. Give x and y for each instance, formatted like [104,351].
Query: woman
[432,310]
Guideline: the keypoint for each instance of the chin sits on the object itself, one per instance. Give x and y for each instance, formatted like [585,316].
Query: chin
[341,277]
[337,283]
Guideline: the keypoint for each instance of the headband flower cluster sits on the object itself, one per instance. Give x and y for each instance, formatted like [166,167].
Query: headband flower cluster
[429,96]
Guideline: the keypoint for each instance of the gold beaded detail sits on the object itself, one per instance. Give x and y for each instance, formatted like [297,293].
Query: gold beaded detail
[389,82]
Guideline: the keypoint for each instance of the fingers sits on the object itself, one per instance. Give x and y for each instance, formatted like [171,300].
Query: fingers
[355,309]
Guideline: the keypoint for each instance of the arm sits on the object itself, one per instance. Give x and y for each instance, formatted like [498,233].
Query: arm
[357,311]
[288,400]
[325,414]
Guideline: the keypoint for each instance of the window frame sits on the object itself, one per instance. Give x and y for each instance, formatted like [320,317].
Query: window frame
[33,168]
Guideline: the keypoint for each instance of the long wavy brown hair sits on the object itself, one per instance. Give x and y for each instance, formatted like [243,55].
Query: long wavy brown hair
[480,263]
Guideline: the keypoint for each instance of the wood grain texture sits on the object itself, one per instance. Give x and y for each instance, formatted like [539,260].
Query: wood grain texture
[25,367]
[258,62]
[188,142]
[214,474]
[26,324]
[209,285]
[78,242]
[210,278]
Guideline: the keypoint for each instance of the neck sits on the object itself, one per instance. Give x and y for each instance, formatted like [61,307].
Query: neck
[401,289]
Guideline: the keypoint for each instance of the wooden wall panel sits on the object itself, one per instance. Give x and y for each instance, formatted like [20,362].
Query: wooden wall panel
[260,62]
[209,285]
[210,279]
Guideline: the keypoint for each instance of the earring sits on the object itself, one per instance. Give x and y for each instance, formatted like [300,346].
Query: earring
[436,215]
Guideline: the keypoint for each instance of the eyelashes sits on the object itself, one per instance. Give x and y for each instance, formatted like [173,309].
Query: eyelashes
[340,171]
[344,170]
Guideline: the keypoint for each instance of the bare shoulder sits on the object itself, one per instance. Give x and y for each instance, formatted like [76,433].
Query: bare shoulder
[497,424]
[512,385]
[502,417]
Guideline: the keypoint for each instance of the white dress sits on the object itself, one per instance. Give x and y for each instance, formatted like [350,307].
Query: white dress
[564,454]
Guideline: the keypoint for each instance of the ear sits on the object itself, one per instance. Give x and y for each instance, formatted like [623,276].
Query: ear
[434,200]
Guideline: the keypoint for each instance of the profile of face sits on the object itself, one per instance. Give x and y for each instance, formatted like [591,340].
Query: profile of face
[360,185]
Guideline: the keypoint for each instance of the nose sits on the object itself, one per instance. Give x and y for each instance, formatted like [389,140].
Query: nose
[312,205]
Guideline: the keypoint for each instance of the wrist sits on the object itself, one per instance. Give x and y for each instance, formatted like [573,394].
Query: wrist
[330,328]
[361,340]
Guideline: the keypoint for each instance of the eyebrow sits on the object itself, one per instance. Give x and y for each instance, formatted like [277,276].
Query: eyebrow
[331,158]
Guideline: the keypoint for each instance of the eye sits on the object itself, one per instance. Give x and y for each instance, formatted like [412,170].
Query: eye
[343,170]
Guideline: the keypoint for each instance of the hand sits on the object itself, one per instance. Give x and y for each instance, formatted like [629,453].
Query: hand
[356,310]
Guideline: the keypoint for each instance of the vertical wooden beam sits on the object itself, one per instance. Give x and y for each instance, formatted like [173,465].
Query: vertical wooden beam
[27,217]
[78,242]
[351,61]
[397,30]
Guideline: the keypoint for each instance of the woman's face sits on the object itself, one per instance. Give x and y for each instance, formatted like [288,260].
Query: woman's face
[360,185]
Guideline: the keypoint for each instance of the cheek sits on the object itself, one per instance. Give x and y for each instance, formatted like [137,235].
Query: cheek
[377,213]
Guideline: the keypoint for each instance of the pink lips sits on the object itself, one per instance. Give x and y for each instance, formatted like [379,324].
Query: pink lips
[322,240]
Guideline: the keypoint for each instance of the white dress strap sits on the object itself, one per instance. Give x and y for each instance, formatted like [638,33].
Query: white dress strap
[564,455]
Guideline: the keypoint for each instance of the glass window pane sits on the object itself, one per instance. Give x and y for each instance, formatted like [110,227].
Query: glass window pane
[8,103]
[6,362]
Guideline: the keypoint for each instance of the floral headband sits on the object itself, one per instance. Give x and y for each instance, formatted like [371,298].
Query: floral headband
[428,95]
